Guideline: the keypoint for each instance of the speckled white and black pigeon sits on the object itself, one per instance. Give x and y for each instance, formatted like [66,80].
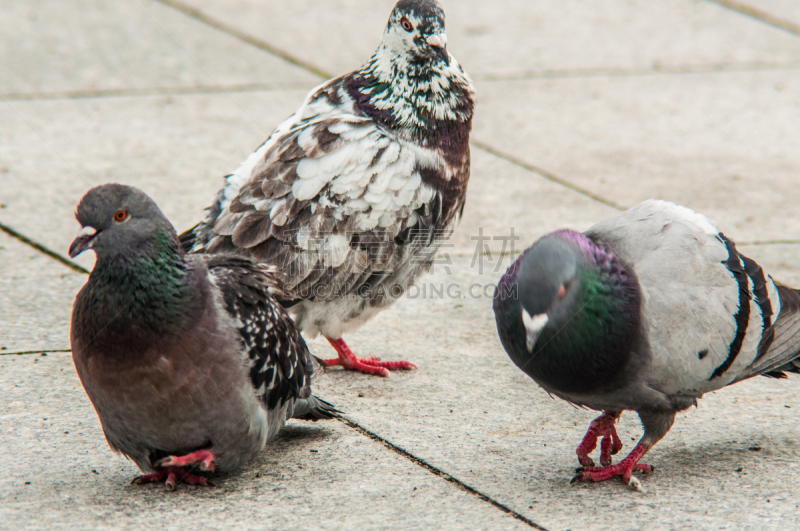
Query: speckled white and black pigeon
[352,196]
[187,359]
[646,311]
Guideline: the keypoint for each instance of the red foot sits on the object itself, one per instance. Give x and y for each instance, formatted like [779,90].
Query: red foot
[372,365]
[171,476]
[624,468]
[204,459]
[603,426]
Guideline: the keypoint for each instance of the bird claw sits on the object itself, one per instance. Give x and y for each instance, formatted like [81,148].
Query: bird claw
[171,476]
[602,473]
[636,485]
[603,427]
[371,365]
[203,459]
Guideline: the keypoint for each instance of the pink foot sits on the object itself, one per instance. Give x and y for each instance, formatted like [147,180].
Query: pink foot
[603,426]
[204,459]
[171,476]
[372,365]
[624,468]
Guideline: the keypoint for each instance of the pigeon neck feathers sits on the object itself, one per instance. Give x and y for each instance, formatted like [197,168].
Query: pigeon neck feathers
[592,321]
[417,99]
[411,84]
[148,285]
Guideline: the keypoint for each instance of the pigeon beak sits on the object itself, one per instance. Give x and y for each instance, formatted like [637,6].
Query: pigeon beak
[439,43]
[533,327]
[82,241]
[438,40]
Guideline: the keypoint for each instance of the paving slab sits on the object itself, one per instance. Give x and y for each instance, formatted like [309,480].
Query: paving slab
[469,411]
[177,149]
[726,144]
[46,48]
[36,295]
[58,471]
[507,201]
[523,37]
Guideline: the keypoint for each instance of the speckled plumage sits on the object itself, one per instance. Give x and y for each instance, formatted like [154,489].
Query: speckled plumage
[180,353]
[646,311]
[352,195]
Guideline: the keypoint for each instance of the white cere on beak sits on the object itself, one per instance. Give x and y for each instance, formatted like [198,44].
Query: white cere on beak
[533,327]
[86,231]
[438,40]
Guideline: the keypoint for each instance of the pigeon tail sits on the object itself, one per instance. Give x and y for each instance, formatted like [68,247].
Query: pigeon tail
[779,350]
[314,409]
[188,238]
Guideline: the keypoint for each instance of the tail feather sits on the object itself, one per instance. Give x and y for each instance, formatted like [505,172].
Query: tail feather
[313,408]
[782,350]
[780,372]
[188,238]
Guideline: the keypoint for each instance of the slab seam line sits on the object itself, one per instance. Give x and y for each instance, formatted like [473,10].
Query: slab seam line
[438,472]
[759,15]
[258,43]
[42,249]
[42,352]
[190,90]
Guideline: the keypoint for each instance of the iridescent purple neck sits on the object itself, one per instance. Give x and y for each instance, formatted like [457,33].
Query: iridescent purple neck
[594,252]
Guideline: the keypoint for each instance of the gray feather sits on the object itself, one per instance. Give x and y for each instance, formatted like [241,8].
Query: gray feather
[181,353]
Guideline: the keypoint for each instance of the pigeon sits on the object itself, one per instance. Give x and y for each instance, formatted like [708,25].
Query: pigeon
[646,311]
[188,359]
[354,194]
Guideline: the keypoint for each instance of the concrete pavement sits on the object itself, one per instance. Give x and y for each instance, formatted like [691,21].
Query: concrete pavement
[584,108]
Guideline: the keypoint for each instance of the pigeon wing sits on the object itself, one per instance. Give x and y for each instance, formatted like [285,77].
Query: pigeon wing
[706,306]
[330,198]
[281,366]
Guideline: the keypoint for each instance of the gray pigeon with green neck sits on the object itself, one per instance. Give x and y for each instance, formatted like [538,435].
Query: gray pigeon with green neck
[188,359]
[646,311]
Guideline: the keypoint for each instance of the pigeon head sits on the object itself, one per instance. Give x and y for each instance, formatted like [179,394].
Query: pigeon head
[568,311]
[140,275]
[548,285]
[412,84]
[120,220]
[416,32]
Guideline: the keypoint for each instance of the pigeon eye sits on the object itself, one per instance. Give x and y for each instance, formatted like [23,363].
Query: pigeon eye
[406,24]
[121,215]
[562,291]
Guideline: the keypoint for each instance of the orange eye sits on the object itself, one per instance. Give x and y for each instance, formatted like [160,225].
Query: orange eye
[562,291]
[406,24]
[121,215]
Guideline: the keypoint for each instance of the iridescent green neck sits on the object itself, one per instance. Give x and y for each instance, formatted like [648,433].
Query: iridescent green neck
[148,286]
[589,345]
[599,311]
